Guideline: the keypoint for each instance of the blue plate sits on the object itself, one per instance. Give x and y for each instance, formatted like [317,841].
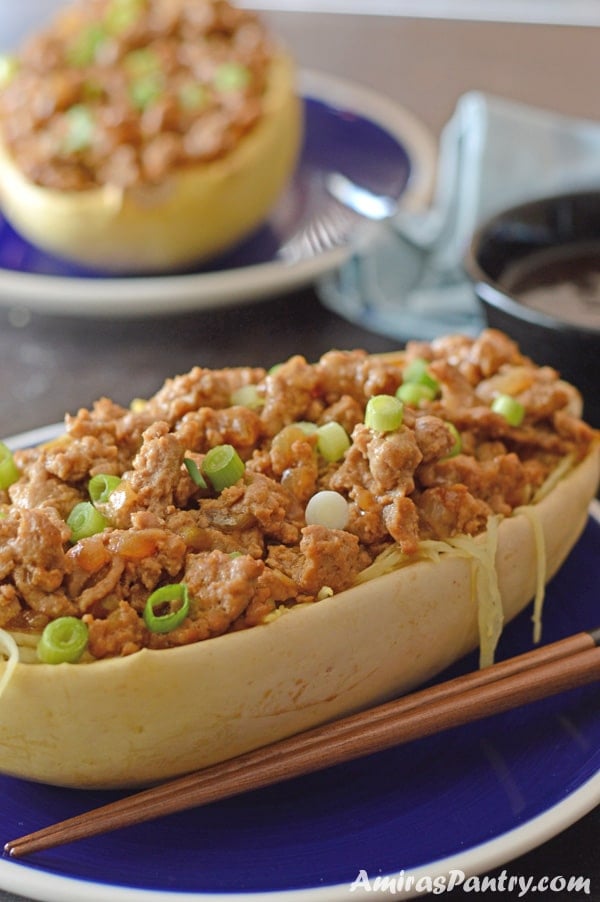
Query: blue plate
[469,799]
[348,129]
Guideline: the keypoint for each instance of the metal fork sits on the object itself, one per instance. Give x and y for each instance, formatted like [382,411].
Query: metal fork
[348,205]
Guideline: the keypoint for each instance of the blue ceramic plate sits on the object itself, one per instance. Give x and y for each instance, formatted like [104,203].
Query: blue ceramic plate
[470,799]
[348,129]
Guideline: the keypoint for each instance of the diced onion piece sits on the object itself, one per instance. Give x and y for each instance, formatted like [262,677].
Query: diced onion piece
[176,598]
[328,509]
[384,413]
[63,641]
[332,441]
[223,466]
[307,427]
[84,520]
[509,408]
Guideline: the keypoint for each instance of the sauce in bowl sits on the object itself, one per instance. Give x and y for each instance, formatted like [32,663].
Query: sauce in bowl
[563,282]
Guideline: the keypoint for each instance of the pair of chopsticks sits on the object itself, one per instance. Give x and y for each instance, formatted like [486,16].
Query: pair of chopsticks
[546,671]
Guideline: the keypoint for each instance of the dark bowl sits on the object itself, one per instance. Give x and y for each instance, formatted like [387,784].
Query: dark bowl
[536,272]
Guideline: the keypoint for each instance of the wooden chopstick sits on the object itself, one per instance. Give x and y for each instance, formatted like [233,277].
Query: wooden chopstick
[537,674]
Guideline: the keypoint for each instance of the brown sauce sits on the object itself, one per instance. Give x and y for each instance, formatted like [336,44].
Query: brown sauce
[560,282]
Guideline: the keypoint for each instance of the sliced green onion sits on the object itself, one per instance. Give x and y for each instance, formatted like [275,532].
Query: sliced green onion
[63,641]
[84,520]
[384,413]
[122,14]
[457,446]
[192,96]
[145,90]
[9,471]
[231,76]
[418,371]
[328,509]
[247,396]
[194,471]
[223,466]
[80,128]
[8,68]
[332,441]
[414,392]
[509,408]
[82,52]
[100,487]
[176,599]
[142,62]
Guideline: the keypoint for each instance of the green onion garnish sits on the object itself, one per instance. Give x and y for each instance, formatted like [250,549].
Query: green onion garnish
[142,62]
[8,68]
[457,446]
[194,471]
[509,408]
[192,96]
[63,641]
[145,90]
[231,76]
[332,441]
[176,599]
[417,371]
[384,413]
[9,471]
[123,14]
[84,520]
[247,396]
[82,52]
[223,466]
[100,487]
[80,129]
[414,392]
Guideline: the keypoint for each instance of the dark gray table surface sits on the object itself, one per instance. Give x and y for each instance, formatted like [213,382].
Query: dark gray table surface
[49,365]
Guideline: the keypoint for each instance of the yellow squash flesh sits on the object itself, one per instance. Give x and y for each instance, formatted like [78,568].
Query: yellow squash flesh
[156,714]
[198,212]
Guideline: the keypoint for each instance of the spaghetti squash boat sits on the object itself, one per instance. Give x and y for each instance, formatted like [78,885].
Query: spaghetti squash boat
[146,135]
[248,554]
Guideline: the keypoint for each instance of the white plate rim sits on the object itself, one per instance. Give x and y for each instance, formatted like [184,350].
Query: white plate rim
[152,295]
[478,859]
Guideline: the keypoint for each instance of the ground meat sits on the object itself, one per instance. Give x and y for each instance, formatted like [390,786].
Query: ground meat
[199,388]
[205,428]
[325,558]
[124,96]
[246,550]
[121,633]
[222,587]
[288,394]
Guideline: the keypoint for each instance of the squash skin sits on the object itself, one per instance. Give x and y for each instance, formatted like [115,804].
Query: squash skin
[129,722]
[194,215]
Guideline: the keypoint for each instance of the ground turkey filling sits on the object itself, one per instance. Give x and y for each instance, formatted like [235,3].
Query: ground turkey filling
[121,92]
[247,551]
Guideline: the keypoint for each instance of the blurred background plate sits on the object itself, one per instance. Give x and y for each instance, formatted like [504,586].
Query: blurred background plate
[350,130]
